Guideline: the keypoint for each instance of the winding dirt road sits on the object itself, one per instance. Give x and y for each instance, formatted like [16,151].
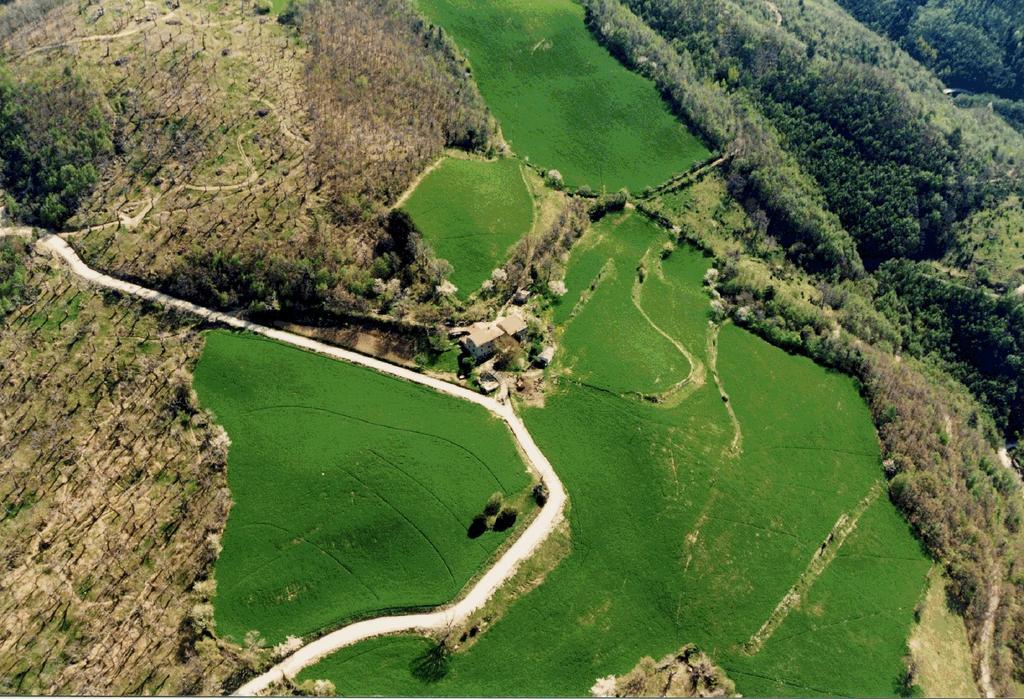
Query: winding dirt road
[442,618]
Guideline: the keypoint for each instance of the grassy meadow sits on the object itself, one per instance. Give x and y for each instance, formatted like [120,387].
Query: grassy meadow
[940,647]
[472,212]
[640,359]
[352,491]
[563,101]
[676,536]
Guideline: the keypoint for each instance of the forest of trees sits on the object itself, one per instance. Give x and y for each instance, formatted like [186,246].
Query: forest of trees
[12,276]
[896,182]
[976,45]
[386,94]
[762,170]
[978,337]
[53,136]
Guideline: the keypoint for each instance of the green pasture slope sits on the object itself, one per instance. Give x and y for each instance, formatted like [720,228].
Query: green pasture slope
[352,491]
[563,101]
[677,538]
[639,360]
[472,212]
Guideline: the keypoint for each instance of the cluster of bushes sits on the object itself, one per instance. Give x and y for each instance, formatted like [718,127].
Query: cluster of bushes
[535,262]
[53,140]
[253,283]
[606,204]
[495,517]
[13,284]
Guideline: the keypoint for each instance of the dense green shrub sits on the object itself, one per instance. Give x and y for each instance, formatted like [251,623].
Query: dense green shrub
[12,277]
[53,138]
[505,519]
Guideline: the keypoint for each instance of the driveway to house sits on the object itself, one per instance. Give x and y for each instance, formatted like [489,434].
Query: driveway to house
[442,618]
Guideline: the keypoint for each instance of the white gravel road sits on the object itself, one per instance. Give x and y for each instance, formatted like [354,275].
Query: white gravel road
[522,548]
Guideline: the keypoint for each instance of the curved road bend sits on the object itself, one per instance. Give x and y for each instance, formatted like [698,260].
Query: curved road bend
[540,528]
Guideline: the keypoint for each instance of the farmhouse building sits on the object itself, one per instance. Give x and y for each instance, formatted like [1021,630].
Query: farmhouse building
[479,343]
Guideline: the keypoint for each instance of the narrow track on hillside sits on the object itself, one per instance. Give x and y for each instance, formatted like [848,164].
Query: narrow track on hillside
[697,375]
[538,531]
[736,445]
[25,232]
[247,182]
[987,631]
[141,26]
[823,556]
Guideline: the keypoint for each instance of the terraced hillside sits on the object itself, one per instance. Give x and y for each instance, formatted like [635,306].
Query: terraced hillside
[113,494]
[690,518]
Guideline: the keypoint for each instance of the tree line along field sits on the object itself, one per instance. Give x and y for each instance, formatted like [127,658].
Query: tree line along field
[563,101]
[353,492]
[679,534]
[471,212]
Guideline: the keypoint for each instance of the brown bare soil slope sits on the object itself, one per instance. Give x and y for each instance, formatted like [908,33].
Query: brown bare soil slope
[112,497]
[255,161]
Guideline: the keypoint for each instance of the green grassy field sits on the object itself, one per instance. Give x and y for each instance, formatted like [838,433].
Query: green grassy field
[472,212]
[940,647]
[562,100]
[640,359]
[995,238]
[676,538]
[352,491]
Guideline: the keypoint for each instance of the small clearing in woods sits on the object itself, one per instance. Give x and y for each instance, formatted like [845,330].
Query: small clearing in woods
[471,212]
[939,646]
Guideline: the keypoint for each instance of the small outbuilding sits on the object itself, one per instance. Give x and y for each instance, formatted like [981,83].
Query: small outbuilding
[521,297]
[545,356]
[489,382]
